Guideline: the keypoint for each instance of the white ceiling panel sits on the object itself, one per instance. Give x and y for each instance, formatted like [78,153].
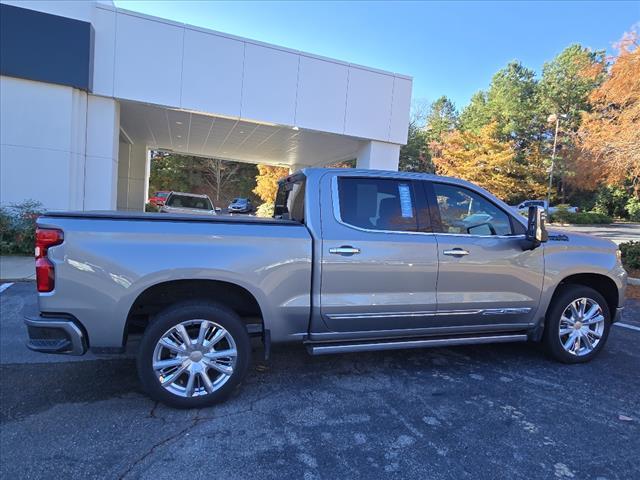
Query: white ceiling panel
[219,137]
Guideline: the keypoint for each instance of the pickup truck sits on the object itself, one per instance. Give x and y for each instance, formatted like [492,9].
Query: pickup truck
[353,260]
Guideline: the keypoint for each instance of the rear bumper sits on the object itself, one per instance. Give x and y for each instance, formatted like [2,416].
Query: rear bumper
[55,335]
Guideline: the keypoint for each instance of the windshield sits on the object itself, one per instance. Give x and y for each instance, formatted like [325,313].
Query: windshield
[186,201]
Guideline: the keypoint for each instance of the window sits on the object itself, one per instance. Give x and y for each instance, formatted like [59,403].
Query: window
[378,204]
[466,212]
[187,201]
[290,198]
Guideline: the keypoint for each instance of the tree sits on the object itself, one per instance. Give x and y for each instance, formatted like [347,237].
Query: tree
[483,158]
[610,133]
[511,100]
[218,174]
[442,118]
[170,172]
[267,182]
[568,80]
[415,155]
[475,115]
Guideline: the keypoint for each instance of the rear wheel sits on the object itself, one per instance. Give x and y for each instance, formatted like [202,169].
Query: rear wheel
[578,324]
[193,355]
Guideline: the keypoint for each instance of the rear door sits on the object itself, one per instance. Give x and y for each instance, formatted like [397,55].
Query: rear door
[379,258]
[486,281]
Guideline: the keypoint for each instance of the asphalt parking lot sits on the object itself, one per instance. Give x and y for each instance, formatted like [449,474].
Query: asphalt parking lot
[484,412]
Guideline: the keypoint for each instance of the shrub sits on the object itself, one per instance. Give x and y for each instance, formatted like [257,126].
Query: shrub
[265,210]
[633,208]
[18,227]
[630,254]
[580,218]
[612,200]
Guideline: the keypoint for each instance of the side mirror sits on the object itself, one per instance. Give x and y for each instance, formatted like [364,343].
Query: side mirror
[536,229]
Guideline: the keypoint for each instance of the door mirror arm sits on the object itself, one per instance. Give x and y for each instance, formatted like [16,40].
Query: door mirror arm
[536,229]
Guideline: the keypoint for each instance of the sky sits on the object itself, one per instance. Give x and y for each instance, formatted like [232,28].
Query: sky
[449,48]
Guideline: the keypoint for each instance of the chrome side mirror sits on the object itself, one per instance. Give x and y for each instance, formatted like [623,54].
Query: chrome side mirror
[536,228]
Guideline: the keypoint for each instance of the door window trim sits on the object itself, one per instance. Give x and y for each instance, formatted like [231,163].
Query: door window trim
[436,220]
[421,206]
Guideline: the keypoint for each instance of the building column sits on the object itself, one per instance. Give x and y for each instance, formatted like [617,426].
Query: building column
[101,167]
[138,177]
[378,156]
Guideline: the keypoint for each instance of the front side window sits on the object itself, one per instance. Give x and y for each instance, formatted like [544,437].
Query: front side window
[463,211]
[378,204]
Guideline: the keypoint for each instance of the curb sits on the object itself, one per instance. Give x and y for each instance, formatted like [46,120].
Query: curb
[633,281]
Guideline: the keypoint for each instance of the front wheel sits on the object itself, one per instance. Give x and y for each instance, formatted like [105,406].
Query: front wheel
[577,326]
[193,355]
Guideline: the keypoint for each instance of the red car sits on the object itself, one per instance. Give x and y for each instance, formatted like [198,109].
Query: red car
[158,198]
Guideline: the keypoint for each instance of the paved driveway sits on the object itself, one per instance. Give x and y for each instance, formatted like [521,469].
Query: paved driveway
[616,232]
[484,412]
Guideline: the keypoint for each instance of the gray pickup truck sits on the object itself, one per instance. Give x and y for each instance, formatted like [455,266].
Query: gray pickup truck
[353,260]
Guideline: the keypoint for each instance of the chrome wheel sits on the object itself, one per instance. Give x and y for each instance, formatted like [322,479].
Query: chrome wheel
[195,357]
[581,326]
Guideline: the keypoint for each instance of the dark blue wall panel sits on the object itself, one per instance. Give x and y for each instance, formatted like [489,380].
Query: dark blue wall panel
[46,48]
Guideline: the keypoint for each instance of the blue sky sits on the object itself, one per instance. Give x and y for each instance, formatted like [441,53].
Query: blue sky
[449,48]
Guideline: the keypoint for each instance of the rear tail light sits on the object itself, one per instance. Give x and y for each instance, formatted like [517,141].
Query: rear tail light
[45,238]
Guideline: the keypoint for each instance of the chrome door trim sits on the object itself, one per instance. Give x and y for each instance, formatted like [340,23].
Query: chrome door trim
[506,311]
[429,313]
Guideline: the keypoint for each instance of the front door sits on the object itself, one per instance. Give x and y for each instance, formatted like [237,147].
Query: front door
[486,281]
[379,257]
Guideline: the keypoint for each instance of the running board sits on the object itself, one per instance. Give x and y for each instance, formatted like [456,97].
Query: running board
[326,348]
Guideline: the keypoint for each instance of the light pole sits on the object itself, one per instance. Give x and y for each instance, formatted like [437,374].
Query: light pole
[553,118]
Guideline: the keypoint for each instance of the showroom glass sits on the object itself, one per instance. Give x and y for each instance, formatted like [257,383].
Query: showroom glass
[463,211]
[378,204]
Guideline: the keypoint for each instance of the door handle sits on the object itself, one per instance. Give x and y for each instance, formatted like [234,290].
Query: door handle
[456,252]
[344,250]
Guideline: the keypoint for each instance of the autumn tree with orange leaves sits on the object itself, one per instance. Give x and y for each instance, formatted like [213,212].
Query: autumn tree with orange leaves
[610,134]
[483,158]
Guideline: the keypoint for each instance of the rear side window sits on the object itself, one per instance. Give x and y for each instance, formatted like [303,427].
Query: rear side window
[378,204]
[290,198]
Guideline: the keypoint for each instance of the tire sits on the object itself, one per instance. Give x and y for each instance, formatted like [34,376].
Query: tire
[200,373]
[579,323]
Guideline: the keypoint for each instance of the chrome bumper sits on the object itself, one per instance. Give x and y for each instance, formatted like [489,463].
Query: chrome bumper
[55,335]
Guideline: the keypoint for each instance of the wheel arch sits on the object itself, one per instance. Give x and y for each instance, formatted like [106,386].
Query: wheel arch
[599,282]
[160,295]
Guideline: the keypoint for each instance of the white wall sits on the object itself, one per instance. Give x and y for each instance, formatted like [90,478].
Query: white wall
[56,146]
[220,74]
[378,156]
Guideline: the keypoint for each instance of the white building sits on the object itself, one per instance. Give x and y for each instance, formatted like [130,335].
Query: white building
[87,89]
